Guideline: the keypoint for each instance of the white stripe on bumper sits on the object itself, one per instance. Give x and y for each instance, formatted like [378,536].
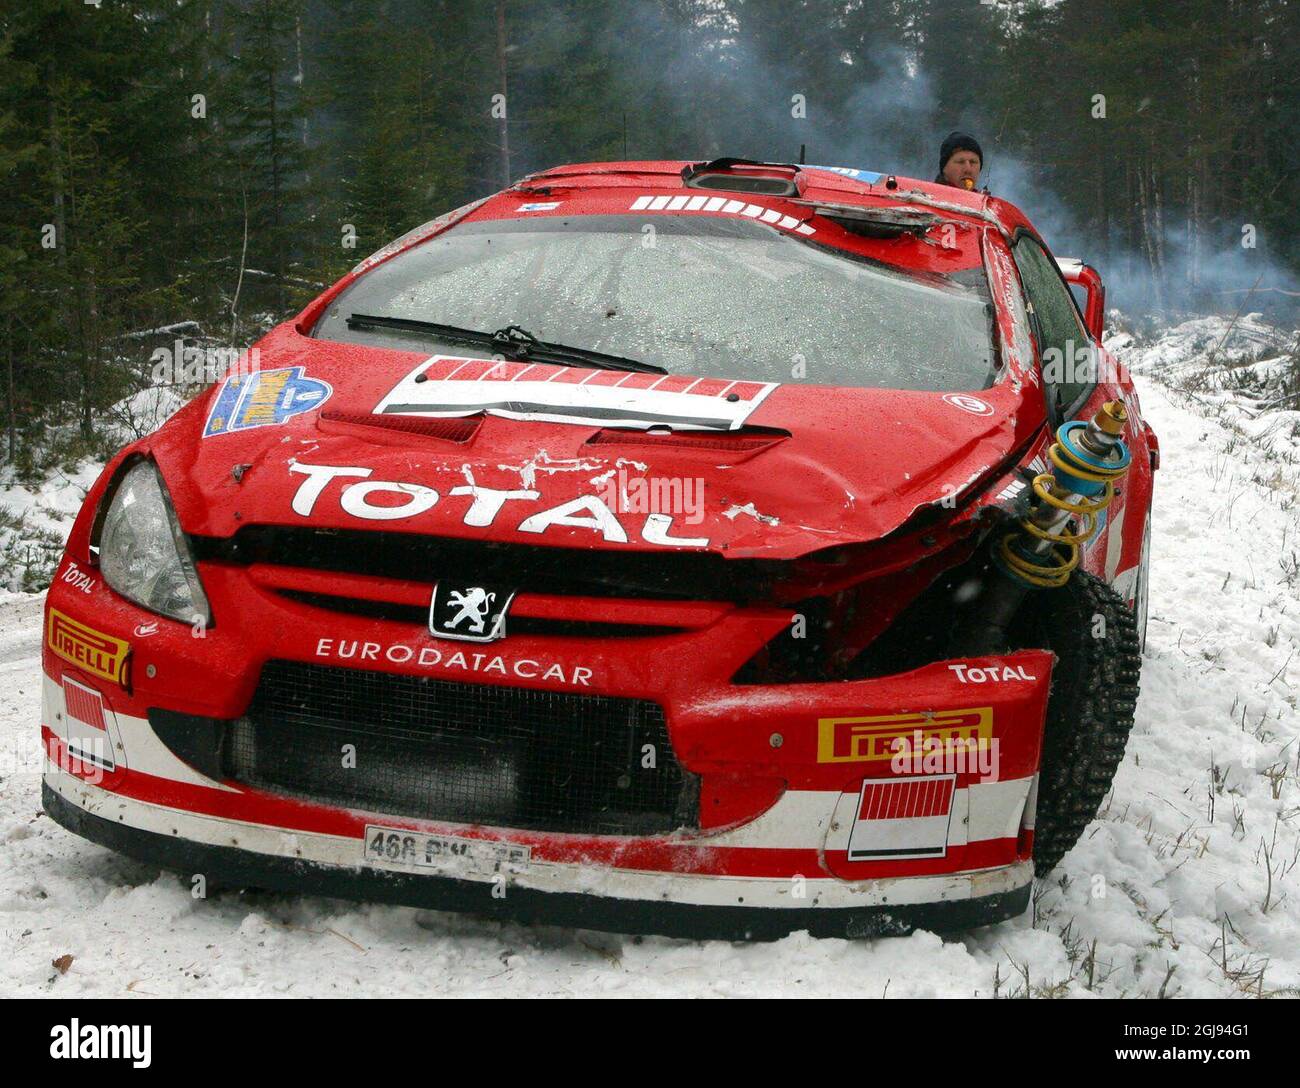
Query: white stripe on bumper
[546,876]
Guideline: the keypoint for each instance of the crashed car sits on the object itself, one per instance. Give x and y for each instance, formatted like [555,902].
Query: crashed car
[705,549]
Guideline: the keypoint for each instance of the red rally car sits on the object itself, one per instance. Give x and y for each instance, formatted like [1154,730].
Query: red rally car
[707,549]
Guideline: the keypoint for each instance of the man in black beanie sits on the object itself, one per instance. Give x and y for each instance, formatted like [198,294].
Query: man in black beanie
[960,161]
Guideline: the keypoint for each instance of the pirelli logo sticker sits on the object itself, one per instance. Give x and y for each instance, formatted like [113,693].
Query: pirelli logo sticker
[883,736]
[92,651]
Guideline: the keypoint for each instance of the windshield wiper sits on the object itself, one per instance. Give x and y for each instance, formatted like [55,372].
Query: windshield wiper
[512,342]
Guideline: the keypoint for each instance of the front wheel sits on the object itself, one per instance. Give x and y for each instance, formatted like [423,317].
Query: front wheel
[1094,635]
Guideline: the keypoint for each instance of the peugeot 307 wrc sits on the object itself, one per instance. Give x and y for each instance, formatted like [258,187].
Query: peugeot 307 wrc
[707,549]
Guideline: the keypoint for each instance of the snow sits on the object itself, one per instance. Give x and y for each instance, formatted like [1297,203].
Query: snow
[34,521]
[1169,889]
[35,517]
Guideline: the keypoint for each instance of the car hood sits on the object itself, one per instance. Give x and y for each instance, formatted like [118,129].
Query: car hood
[331,435]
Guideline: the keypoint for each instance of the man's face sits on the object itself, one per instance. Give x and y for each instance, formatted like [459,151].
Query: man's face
[963,165]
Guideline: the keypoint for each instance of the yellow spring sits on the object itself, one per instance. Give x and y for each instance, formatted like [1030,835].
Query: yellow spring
[1064,553]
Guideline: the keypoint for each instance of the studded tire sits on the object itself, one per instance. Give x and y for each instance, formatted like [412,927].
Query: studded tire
[1090,709]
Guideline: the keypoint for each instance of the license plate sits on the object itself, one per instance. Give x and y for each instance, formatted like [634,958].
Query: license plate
[418,850]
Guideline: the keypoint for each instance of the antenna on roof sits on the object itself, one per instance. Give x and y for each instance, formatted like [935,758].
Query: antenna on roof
[802,149]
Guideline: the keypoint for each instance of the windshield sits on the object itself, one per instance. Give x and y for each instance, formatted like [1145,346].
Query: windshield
[701,295]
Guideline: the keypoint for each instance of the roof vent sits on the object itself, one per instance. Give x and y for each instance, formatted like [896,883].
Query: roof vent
[743,176]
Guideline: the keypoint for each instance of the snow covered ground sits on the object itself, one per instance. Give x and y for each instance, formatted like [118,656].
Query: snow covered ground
[1188,884]
[35,518]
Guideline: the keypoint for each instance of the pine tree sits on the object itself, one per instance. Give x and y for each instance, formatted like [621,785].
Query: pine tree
[266,132]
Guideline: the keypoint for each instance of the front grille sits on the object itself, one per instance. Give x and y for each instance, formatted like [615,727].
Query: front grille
[516,625]
[463,753]
[589,572]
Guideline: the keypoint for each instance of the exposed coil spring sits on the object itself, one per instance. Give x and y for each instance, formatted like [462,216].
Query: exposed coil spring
[1077,474]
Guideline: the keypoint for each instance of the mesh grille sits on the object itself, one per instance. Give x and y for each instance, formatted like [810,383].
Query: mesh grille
[464,753]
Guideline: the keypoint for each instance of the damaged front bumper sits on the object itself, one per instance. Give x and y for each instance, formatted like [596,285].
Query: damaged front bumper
[845,808]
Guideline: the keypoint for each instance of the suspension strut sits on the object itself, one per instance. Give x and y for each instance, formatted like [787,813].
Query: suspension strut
[1087,458]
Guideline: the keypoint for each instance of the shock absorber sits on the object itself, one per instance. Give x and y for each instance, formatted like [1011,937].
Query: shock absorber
[1087,458]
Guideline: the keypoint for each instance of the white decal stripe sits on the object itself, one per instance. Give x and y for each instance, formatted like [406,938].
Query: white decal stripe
[980,812]
[1031,805]
[1115,543]
[700,888]
[569,401]
[463,365]
[135,743]
[1125,583]
[646,202]
[996,808]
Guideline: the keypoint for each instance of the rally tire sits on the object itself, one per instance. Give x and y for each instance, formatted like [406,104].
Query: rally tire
[1090,709]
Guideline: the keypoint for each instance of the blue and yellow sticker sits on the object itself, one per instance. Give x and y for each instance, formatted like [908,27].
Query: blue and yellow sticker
[264,399]
[869,176]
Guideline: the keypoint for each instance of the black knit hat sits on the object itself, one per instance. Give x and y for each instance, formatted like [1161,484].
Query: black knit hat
[958,141]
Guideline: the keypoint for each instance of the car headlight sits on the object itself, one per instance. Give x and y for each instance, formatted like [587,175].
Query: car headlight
[143,554]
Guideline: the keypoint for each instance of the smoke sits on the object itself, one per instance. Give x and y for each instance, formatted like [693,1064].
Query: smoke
[728,99]
[1214,272]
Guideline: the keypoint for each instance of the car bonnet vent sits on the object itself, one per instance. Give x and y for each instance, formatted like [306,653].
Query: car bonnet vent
[449,430]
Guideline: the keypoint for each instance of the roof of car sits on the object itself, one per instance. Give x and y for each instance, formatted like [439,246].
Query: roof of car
[840,184]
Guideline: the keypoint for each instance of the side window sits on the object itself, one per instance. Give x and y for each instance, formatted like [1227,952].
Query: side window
[1066,350]
[1080,294]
